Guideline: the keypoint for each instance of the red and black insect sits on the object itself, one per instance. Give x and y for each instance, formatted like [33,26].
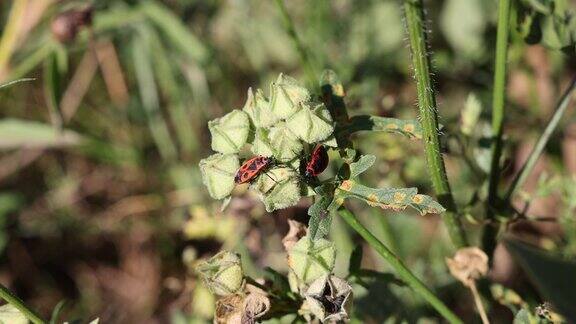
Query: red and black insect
[251,168]
[316,164]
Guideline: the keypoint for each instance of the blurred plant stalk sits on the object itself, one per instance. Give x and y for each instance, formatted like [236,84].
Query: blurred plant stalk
[498,98]
[429,119]
[23,16]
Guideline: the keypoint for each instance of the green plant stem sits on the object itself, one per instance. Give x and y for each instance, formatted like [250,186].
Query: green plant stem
[304,57]
[528,166]
[498,97]
[402,271]
[13,300]
[429,119]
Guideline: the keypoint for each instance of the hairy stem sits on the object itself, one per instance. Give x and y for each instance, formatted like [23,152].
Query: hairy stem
[429,119]
[398,265]
[13,300]
[498,98]
[304,57]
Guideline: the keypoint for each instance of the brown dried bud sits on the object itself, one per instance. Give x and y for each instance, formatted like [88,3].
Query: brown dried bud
[296,231]
[66,25]
[255,306]
[229,310]
[468,264]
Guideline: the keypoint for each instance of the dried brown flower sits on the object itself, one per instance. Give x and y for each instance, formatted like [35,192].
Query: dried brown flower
[468,264]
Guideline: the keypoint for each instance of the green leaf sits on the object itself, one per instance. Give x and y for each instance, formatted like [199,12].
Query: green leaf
[355,260]
[148,90]
[258,109]
[387,198]
[11,315]
[311,125]
[320,218]
[57,311]
[285,144]
[218,173]
[410,128]
[229,132]
[360,166]
[18,133]
[55,68]
[176,32]
[287,94]
[552,275]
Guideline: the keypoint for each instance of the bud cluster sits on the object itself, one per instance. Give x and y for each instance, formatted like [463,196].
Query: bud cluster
[282,127]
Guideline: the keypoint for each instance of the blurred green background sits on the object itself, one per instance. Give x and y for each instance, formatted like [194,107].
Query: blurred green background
[101,201]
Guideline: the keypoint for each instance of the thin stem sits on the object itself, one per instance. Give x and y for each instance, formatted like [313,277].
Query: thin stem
[399,266]
[304,57]
[13,300]
[498,97]
[542,141]
[429,119]
[479,304]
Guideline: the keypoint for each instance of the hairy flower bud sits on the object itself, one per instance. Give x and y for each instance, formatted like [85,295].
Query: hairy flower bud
[310,260]
[222,273]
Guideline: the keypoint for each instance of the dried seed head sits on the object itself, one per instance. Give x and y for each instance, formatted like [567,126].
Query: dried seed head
[256,305]
[229,310]
[468,264]
[329,298]
[222,273]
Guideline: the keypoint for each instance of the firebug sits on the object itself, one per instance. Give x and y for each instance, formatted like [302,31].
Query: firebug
[317,162]
[251,168]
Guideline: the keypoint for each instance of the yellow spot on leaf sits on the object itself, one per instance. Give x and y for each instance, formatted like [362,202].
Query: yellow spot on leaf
[372,198]
[418,199]
[399,197]
[346,185]
[392,126]
[409,128]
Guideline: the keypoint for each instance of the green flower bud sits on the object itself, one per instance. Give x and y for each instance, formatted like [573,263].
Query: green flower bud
[329,298]
[287,94]
[311,125]
[258,109]
[310,260]
[285,144]
[230,132]
[222,273]
[261,144]
[279,188]
[218,172]
[470,114]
